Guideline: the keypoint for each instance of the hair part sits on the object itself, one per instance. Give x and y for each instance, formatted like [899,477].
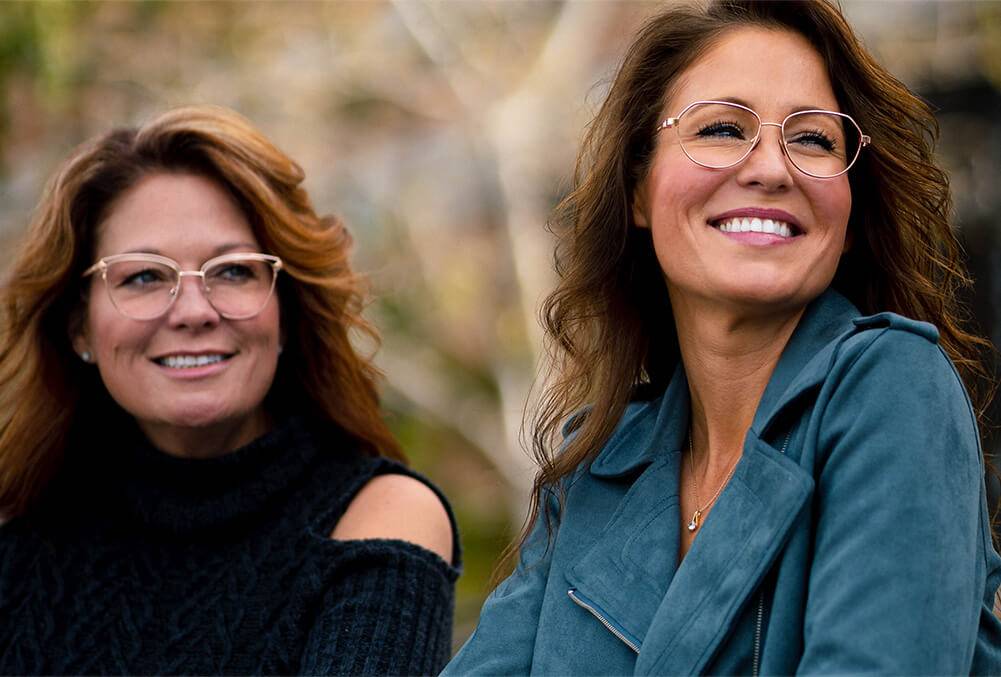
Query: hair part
[45,386]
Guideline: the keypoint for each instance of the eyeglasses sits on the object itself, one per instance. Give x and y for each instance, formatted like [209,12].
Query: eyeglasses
[717,134]
[145,286]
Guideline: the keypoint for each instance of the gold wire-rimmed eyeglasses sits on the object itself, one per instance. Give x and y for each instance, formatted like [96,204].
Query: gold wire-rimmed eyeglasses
[145,286]
[720,134]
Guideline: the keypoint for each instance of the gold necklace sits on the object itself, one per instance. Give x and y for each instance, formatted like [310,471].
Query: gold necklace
[696,520]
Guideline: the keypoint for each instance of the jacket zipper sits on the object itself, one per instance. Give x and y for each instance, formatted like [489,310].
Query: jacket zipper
[757,635]
[756,669]
[586,604]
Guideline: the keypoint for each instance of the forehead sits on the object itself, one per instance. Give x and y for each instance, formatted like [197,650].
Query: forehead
[178,215]
[775,71]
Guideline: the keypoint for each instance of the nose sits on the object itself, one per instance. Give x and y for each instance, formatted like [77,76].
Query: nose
[767,166]
[191,308]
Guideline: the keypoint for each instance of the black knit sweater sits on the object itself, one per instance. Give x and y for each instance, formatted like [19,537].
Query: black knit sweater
[139,562]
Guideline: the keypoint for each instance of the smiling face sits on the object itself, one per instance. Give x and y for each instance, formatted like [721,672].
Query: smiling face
[693,210]
[189,369]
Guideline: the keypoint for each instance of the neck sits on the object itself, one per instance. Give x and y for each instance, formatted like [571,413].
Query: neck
[209,441]
[729,357]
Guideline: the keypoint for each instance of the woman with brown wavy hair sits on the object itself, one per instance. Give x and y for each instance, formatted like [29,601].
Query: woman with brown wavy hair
[194,470]
[774,466]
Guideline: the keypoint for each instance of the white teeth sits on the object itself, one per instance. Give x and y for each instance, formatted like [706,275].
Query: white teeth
[755,225]
[189,361]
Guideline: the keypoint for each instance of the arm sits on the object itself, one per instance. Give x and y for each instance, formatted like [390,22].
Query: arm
[389,608]
[897,576]
[387,611]
[504,639]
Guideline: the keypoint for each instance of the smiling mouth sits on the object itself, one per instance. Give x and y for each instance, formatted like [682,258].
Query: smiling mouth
[191,361]
[744,224]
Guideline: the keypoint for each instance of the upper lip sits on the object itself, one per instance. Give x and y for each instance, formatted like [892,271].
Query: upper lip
[760,213]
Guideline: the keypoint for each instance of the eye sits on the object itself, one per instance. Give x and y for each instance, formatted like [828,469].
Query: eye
[722,129]
[234,272]
[818,140]
[143,278]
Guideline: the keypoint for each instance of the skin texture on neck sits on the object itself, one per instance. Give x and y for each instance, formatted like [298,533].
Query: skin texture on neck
[729,356]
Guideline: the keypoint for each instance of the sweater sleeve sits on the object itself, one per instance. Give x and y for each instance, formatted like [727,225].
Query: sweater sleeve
[387,611]
[901,552]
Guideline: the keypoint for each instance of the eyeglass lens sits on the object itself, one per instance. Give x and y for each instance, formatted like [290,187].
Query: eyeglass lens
[143,289]
[720,135]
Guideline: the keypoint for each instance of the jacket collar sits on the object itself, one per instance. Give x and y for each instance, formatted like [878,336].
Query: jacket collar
[807,357]
[648,429]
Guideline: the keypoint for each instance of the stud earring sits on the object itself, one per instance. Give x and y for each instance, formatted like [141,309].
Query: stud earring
[86,357]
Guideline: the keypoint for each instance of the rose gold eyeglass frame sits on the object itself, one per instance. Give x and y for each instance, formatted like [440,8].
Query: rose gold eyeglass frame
[102,267]
[864,140]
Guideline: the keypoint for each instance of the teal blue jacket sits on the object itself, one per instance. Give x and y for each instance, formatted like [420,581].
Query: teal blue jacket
[853,536]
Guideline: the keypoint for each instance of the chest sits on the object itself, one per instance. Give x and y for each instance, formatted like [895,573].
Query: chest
[618,596]
[75,605]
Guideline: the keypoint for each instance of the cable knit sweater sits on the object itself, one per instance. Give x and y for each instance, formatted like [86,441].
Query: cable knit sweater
[139,562]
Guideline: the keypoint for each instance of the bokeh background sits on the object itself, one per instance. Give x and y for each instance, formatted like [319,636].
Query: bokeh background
[444,133]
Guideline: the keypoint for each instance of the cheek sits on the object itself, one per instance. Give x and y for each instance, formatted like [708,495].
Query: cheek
[268,326]
[682,192]
[112,336]
[833,203]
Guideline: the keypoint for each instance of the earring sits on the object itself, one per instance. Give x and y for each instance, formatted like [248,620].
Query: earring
[86,357]
[280,348]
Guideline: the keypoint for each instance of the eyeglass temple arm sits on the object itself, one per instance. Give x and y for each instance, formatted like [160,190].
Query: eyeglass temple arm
[100,266]
[669,122]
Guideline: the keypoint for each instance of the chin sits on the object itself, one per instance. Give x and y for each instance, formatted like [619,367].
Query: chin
[197,414]
[772,297]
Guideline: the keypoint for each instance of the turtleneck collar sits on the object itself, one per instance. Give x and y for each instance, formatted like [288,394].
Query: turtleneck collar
[188,497]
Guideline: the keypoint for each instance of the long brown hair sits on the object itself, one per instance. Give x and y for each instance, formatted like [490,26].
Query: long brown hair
[43,385]
[608,323]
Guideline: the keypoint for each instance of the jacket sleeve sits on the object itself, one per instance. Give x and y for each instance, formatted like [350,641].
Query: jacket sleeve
[504,640]
[387,611]
[898,576]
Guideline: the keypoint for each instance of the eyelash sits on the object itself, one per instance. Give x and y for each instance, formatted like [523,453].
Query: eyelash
[718,126]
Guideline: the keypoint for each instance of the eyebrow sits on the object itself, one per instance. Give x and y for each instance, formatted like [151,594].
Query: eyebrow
[218,251]
[737,100]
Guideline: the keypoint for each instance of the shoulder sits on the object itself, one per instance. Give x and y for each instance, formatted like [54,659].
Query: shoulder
[891,382]
[399,507]
[893,351]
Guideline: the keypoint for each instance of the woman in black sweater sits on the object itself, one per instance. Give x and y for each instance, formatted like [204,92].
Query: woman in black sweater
[194,473]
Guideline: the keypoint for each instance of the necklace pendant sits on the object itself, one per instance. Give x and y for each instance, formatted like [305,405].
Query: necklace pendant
[694,524]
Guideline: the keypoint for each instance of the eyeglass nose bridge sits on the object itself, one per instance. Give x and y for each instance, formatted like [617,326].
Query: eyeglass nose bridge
[757,140]
[175,291]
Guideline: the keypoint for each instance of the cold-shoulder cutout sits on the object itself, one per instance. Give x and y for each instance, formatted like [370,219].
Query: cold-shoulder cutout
[394,506]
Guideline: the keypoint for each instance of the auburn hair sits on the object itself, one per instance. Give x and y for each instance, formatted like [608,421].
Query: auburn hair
[609,327]
[45,387]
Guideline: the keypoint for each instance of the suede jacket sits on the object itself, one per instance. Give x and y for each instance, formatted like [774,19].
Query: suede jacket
[853,536]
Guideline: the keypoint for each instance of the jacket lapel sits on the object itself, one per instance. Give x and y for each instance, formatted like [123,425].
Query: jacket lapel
[725,564]
[625,573]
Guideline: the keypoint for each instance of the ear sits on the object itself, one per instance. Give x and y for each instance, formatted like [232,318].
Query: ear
[77,330]
[639,204]
[849,239]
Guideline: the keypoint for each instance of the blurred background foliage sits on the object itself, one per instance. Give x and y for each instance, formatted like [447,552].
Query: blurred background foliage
[444,133]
